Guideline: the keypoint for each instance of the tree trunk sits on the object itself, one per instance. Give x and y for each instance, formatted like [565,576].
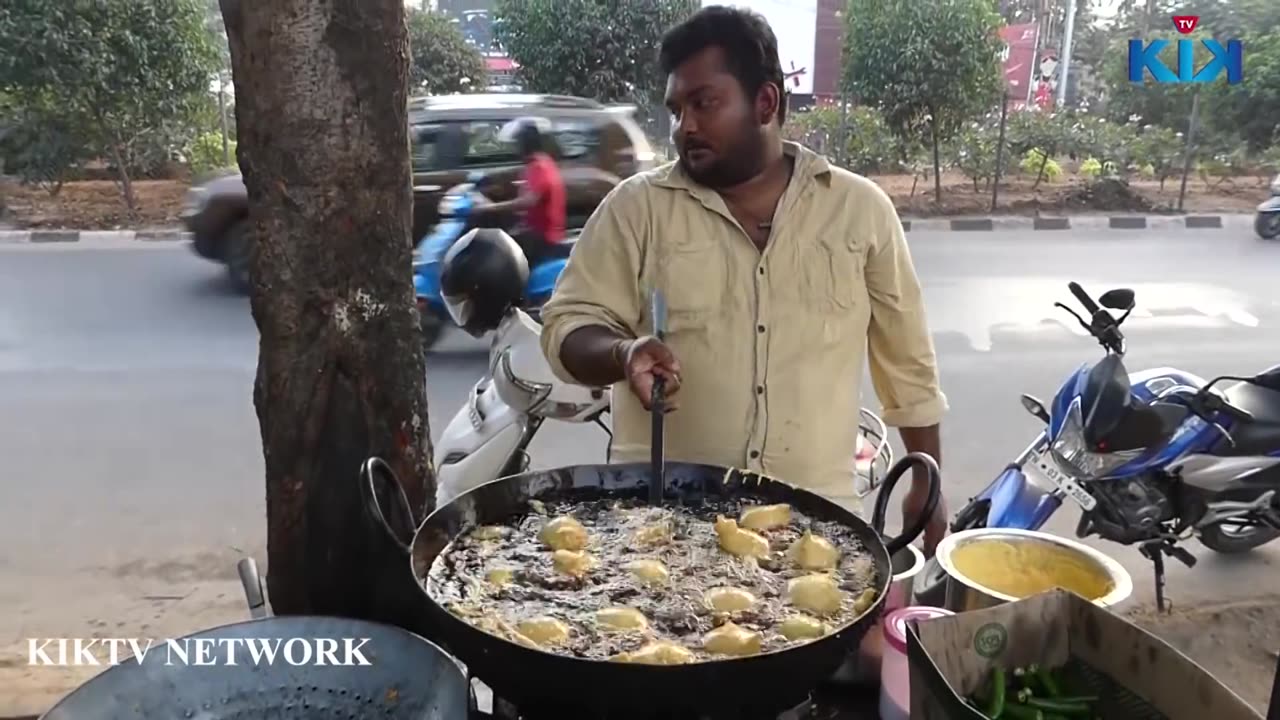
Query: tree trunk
[321,119]
[126,182]
[937,163]
[1044,161]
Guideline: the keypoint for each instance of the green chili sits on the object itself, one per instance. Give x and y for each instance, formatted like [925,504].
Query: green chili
[996,704]
[1048,683]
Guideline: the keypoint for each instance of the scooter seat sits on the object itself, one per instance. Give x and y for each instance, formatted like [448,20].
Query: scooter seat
[1261,436]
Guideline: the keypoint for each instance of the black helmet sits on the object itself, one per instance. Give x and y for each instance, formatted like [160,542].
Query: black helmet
[482,277]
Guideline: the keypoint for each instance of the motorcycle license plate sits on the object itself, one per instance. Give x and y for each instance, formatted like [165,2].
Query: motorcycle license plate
[1050,470]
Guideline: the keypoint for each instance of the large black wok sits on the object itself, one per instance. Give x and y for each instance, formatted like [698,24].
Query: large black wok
[542,682]
[407,678]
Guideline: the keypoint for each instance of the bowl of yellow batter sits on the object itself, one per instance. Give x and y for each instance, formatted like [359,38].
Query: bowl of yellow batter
[987,567]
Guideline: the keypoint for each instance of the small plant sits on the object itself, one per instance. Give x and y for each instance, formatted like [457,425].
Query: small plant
[1091,168]
[1271,158]
[1037,162]
[1158,153]
[973,152]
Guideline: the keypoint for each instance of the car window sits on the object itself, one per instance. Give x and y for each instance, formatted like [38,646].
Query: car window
[484,147]
[422,140]
[576,139]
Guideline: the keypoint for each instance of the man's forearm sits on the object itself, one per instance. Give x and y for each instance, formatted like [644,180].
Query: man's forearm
[927,440]
[594,355]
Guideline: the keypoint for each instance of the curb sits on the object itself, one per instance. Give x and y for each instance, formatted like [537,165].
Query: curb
[1079,222]
[88,237]
[965,224]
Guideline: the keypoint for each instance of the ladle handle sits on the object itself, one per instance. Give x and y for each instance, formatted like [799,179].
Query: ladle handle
[657,443]
[658,408]
[881,510]
[373,473]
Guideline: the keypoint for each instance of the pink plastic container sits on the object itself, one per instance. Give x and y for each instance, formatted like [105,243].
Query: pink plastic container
[895,678]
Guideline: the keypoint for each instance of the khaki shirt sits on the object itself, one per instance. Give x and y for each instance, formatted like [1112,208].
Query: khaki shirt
[771,344]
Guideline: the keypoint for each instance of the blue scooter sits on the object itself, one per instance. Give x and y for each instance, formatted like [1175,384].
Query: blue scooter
[455,210]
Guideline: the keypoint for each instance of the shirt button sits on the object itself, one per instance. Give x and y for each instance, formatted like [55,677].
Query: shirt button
[759,389]
[760,328]
[755,454]
[761,271]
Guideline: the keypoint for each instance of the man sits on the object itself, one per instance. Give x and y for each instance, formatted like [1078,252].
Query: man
[541,202]
[780,272]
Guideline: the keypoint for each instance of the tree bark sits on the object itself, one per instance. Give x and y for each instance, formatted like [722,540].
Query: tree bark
[321,119]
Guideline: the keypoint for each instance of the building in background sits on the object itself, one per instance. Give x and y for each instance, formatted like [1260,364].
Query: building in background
[1020,43]
[474,19]
[796,23]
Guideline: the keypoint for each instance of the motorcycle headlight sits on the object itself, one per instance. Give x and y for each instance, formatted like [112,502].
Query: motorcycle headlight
[1072,453]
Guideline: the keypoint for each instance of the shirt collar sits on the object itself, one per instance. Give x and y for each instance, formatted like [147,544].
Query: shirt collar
[808,165]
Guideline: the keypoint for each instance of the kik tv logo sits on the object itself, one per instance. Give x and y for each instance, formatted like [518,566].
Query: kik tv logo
[1146,57]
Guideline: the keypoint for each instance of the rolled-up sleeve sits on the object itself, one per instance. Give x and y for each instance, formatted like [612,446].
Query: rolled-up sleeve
[600,283]
[903,364]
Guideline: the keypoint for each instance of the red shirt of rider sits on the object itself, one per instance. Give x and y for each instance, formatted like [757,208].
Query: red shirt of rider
[542,180]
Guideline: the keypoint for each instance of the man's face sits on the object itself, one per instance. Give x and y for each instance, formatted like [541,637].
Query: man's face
[715,125]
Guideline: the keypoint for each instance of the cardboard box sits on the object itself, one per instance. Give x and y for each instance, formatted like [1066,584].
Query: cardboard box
[952,657]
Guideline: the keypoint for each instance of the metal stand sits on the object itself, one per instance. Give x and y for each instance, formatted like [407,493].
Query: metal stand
[1155,552]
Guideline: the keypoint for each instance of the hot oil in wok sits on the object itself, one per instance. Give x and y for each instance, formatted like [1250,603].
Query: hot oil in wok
[506,580]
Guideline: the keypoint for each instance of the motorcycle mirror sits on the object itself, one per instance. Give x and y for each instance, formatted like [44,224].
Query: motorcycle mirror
[1118,299]
[1033,405]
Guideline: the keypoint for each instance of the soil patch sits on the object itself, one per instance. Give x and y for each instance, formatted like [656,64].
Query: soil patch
[1071,195]
[1237,642]
[94,205]
[97,204]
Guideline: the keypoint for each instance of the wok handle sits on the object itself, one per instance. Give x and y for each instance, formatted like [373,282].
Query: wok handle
[910,534]
[251,581]
[373,473]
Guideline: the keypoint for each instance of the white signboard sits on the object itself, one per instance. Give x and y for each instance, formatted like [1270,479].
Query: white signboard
[795,22]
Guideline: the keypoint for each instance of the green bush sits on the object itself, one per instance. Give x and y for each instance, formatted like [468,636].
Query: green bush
[1038,163]
[1091,168]
[204,154]
[1270,159]
[869,145]
[973,152]
[1158,153]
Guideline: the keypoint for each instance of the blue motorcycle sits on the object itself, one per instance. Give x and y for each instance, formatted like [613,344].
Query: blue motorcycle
[1151,458]
[455,212]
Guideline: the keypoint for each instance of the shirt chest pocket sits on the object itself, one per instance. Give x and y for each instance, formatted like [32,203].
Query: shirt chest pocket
[693,274]
[828,275]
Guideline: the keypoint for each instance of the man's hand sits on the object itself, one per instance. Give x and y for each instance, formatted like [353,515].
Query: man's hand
[646,359]
[913,504]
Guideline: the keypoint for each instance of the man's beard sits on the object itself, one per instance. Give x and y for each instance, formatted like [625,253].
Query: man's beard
[739,162]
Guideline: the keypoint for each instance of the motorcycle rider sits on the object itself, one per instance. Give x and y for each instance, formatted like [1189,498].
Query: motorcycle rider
[541,202]
[782,274]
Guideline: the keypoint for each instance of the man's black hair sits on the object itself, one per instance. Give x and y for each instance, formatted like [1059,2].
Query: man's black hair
[749,44]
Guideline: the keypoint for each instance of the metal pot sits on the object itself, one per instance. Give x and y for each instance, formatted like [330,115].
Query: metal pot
[907,564]
[964,593]
[862,666]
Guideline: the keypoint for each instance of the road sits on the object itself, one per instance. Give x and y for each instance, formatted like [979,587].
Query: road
[132,469]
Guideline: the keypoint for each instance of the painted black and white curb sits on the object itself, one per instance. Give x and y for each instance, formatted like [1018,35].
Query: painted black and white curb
[1080,222]
[1091,223]
[89,237]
